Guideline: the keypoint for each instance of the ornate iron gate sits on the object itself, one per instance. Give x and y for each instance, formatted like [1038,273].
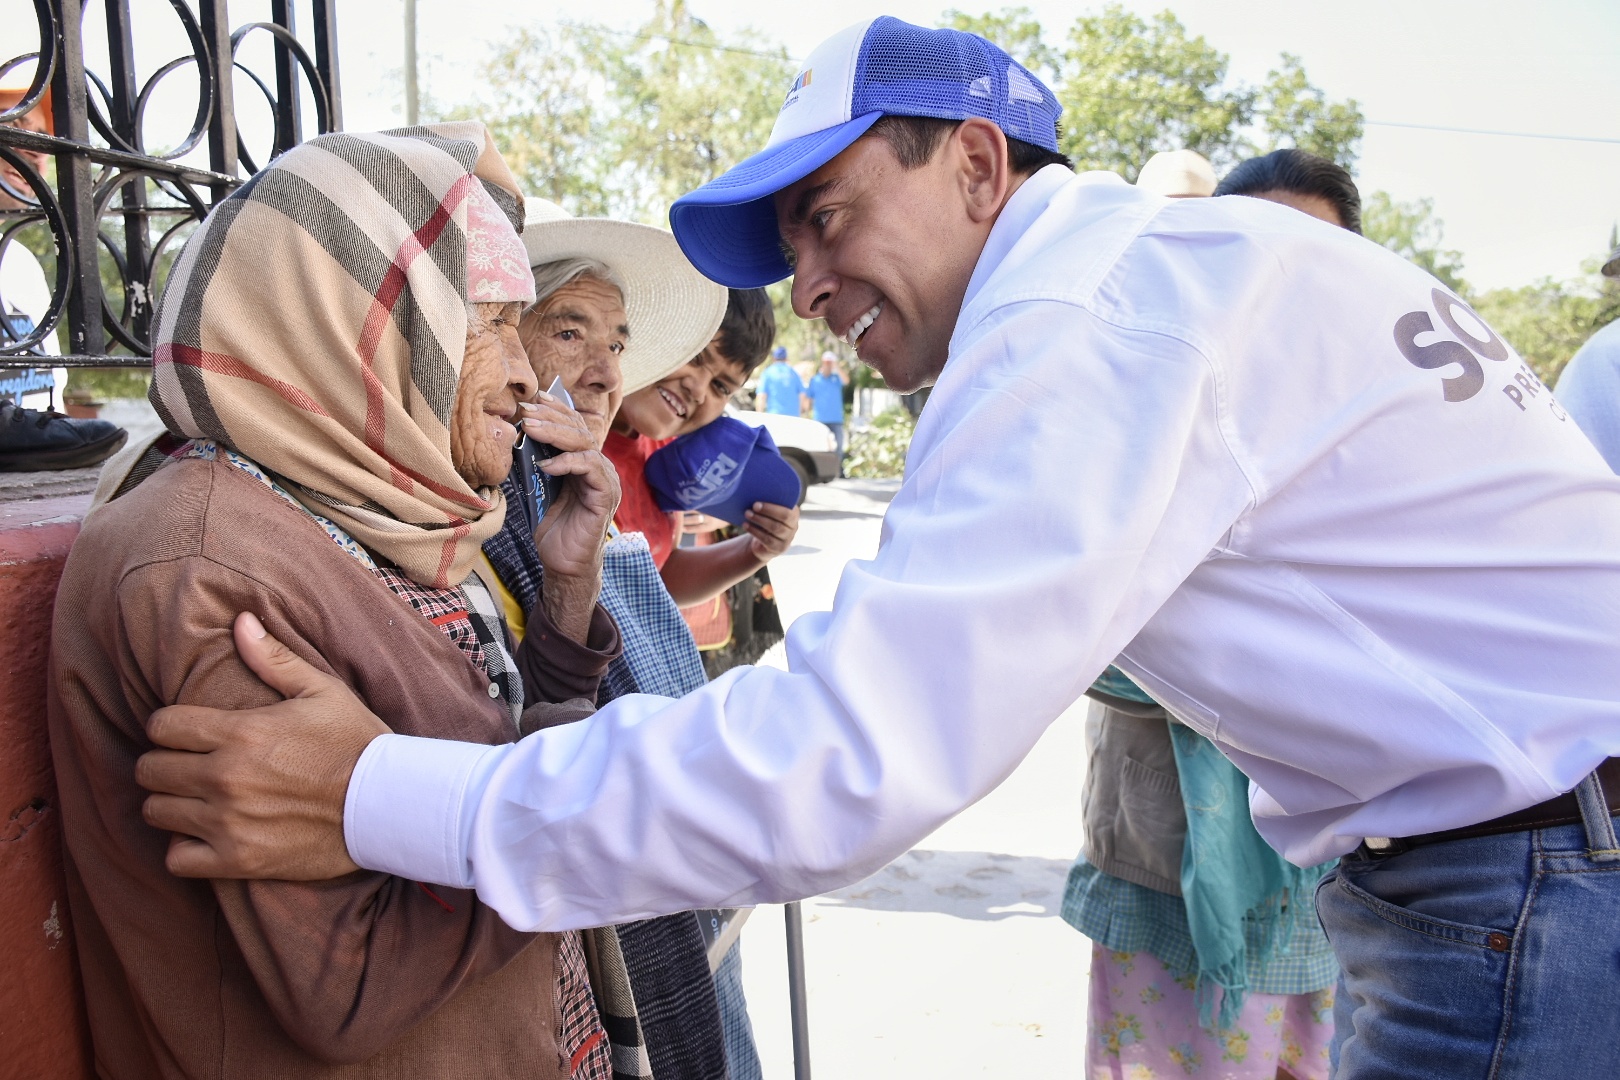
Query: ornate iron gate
[120,211]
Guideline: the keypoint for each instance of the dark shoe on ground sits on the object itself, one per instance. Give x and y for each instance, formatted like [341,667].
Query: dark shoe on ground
[34,441]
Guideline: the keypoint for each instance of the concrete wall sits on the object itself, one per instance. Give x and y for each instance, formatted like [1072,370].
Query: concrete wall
[43,1034]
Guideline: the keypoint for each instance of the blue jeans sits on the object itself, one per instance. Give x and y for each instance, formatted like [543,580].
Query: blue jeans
[837,428]
[1494,957]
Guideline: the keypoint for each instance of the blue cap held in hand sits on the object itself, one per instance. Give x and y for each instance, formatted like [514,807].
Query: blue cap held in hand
[722,469]
[880,67]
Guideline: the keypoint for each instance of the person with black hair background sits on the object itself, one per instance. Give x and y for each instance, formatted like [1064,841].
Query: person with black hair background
[1304,181]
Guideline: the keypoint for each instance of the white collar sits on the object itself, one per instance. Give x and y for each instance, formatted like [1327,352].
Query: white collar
[1026,204]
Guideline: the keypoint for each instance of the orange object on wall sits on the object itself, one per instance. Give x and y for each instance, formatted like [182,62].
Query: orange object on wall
[43,1031]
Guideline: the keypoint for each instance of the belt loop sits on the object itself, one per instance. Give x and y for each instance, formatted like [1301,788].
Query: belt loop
[1601,845]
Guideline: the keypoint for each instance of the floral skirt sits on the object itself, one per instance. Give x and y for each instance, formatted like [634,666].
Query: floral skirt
[1144,1026]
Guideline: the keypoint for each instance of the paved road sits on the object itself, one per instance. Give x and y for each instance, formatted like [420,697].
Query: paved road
[951,961]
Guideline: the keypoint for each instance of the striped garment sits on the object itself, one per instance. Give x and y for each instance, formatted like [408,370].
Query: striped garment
[659,654]
[580,1032]
[316,322]
[617,1005]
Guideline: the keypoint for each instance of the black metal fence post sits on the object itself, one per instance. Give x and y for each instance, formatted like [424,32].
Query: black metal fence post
[75,190]
[222,158]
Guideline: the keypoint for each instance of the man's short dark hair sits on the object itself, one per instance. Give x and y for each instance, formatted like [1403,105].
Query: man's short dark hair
[1300,173]
[915,140]
[748,328]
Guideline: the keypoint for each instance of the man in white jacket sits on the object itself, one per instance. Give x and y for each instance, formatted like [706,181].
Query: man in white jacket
[1308,499]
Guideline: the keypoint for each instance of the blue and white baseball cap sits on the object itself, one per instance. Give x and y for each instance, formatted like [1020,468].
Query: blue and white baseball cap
[722,469]
[880,67]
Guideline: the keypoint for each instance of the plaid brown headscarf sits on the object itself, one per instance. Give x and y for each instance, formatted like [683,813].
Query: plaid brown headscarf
[316,322]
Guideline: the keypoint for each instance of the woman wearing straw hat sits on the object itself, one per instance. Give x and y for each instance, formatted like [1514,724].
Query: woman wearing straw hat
[617,308]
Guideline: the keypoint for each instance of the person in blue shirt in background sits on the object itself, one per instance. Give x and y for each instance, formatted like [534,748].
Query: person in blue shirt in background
[827,399]
[781,390]
[1589,387]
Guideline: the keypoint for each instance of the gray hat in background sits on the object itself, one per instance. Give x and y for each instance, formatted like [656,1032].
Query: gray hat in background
[1612,267]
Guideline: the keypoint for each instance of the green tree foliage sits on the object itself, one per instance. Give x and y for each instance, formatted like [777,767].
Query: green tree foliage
[1548,321]
[687,105]
[1132,87]
[1018,32]
[1411,230]
[608,122]
[879,451]
[1295,113]
[542,106]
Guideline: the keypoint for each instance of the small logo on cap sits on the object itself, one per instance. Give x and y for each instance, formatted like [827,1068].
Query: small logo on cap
[798,84]
[712,477]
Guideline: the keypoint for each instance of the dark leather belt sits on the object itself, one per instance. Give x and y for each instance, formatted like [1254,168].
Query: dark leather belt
[1563,810]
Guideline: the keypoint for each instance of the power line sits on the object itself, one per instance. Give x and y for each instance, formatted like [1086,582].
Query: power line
[1489,131]
[710,45]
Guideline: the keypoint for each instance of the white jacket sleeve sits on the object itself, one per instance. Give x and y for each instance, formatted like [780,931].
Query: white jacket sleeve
[1066,476]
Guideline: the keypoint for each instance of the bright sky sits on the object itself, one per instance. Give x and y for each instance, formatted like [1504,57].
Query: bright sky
[1517,208]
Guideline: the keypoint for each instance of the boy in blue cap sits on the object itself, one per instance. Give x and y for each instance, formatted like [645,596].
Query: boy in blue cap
[1295,489]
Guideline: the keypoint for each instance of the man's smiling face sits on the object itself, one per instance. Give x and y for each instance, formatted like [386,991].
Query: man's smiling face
[884,253]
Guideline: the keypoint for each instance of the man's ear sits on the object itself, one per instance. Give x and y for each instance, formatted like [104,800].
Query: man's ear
[985,172]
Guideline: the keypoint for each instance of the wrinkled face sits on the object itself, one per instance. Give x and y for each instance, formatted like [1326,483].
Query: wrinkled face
[1314,205]
[883,254]
[34,120]
[577,334]
[495,376]
[691,397]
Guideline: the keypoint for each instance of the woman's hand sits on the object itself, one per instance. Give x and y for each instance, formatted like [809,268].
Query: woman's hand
[570,536]
[770,529]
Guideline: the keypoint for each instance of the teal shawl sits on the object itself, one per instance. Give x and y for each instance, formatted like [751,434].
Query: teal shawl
[1229,875]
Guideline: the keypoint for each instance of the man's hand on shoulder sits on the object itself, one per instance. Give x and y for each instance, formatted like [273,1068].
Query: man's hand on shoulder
[259,793]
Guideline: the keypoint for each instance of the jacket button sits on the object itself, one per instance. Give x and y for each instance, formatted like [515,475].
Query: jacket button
[1498,942]
[495,691]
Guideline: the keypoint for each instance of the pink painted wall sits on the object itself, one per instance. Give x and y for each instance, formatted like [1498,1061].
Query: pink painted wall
[43,1033]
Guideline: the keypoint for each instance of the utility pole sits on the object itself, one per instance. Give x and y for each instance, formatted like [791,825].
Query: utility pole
[411,99]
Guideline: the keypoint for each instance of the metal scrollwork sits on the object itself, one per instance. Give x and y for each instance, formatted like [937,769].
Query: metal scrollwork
[108,229]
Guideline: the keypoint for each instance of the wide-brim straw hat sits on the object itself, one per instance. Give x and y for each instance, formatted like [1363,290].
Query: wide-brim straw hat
[672,309]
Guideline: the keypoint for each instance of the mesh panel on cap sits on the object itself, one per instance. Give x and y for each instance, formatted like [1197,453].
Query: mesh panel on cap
[908,70]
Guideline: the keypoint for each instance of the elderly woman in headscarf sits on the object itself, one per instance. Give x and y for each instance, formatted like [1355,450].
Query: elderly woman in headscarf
[337,357]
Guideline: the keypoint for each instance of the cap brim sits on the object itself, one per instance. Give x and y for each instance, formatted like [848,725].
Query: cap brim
[673,311]
[767,478]
[727,227]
